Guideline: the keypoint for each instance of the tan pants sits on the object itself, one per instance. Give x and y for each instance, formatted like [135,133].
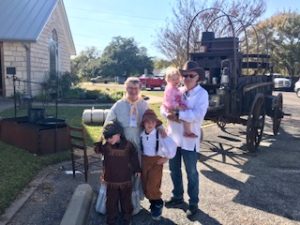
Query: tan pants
[151,177]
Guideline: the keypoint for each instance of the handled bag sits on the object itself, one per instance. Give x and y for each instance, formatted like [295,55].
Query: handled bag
[137,196]
[101,200]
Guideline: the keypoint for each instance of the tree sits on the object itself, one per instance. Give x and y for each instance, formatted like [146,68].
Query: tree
[172,39]
[282,32]
[123,56]
[86,64]
[161,63]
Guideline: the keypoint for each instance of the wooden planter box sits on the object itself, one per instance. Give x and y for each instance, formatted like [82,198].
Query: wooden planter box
[34,138]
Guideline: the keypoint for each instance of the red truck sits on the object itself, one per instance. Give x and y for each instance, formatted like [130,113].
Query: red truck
[150,81]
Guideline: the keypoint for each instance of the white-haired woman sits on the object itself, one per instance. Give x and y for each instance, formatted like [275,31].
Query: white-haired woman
[129,112]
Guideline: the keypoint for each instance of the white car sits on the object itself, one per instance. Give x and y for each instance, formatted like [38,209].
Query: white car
[97,79]
[297,88]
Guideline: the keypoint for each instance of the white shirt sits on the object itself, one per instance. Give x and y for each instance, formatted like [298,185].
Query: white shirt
[166,146]
[197,104]
[149,143]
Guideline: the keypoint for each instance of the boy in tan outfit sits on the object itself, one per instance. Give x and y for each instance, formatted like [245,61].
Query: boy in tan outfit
[155,152]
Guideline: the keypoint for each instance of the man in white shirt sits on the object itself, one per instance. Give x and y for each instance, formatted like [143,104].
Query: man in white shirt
[197,103]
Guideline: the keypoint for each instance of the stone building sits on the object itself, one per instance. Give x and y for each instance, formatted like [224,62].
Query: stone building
[35,39]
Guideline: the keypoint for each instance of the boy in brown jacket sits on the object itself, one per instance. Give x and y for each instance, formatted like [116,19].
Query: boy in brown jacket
[120,163]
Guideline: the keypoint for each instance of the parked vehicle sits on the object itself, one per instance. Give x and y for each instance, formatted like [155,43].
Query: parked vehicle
[281,82]
[97,79]
[101,79]
[297,88]
[150,81]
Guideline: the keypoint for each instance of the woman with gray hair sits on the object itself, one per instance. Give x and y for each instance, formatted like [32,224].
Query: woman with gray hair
[129,111]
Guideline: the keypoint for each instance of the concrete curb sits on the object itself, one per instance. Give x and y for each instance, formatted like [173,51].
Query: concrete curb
[79,206]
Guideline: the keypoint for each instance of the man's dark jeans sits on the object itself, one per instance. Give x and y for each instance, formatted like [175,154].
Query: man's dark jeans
[190,161]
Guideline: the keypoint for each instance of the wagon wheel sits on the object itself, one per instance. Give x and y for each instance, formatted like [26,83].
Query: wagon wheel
[277,116]
[221,122]
[255,123]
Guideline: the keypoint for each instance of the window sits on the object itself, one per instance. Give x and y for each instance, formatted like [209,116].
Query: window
[53,50]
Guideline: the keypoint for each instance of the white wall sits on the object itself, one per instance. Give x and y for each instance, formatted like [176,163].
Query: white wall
[14,55]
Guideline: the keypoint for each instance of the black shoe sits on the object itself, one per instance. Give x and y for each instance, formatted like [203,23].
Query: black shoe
[174,202]
[156,209]
[193,209]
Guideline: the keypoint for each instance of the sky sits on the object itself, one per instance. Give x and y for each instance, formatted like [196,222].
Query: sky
[96,22]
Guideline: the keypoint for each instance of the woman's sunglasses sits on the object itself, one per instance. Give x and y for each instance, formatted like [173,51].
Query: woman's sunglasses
[189,75]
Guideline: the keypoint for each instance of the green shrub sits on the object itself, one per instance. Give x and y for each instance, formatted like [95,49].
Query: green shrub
[74,93]
[117,95]
[91,94]
[67,81]
[103,97]
[60,83]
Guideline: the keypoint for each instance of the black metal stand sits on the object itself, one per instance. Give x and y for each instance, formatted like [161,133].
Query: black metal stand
[15,97]
[56,108]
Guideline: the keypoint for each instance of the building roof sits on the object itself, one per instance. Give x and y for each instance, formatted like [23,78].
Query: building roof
[24,20]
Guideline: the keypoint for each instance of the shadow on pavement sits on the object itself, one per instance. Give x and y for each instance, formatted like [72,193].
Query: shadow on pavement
[204,218]
[217,148]
[201,216]
[273,184]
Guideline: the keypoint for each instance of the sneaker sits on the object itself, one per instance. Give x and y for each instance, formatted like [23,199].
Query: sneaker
[192,210]
[156,211]
[174,202]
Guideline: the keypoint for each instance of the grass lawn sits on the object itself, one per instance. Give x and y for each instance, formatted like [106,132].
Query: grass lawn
[102,86]
[113,87]
[153,93]
[17,168]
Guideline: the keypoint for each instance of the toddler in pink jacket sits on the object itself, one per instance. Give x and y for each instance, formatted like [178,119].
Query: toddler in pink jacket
[173,98]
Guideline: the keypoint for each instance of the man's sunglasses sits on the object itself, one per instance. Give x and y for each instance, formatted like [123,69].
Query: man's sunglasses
[189,75]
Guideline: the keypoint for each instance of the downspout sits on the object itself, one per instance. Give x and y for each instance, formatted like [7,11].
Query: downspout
[2,70]
[28,68]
